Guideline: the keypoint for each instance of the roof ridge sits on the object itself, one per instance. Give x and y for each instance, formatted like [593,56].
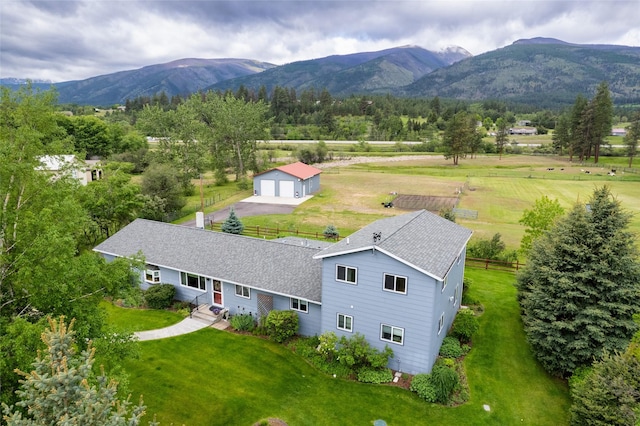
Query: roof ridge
[399,228]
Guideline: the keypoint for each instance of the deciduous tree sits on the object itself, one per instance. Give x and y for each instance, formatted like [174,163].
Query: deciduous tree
[538,220]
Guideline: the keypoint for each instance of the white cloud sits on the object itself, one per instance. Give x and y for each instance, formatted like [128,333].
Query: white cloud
[66,40]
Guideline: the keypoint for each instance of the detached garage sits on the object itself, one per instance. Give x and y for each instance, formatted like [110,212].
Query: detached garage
[291,181]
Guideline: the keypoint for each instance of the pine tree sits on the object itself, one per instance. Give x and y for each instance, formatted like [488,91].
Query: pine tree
[232,225]
[610,393]
[62,390]
[580,288]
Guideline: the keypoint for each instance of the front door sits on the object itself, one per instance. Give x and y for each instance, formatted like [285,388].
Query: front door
[217,293]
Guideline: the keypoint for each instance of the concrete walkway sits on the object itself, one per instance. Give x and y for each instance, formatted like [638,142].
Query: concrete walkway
[187,325]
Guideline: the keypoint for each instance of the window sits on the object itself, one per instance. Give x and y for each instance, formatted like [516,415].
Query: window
[395,283]
[346,274]
[345,322]
[444,284]
[455,295]
[441,323]
[191,280]
[299,305]
[243,291]
[152,274]
[392,334]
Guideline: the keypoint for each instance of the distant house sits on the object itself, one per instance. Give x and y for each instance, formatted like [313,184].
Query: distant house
[293,180]
[84,171]
[523,131]
[524,123]
[618,132]
[398,281]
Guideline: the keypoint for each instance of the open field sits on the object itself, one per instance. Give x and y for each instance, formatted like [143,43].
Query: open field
[499,189]
[214,377]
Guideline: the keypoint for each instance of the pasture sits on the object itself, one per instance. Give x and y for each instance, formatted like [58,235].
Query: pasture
[500,190]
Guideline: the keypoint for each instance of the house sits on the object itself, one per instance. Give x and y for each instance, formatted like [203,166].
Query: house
[618,132]
[293,180]
[398,281]
[523,131]
[58,165]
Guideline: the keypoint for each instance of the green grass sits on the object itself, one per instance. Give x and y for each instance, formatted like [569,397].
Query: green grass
[131,319]
[214,377]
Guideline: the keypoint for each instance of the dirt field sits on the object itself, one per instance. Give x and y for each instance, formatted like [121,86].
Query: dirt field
[427,202]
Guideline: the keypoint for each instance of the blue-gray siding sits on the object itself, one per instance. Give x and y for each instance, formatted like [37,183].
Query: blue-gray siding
[309,322]
[301,187]
[417,311]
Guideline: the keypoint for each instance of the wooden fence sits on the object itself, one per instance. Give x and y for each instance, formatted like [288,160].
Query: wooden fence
[497,265]
[270,232]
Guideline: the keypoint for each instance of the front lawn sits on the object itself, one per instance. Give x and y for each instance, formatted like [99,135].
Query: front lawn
[214,377]
[133,319]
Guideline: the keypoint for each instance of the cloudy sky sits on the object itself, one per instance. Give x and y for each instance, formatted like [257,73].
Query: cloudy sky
[62,40]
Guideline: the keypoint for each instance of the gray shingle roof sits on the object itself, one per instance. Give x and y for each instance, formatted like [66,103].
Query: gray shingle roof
[421,239]
[270,265]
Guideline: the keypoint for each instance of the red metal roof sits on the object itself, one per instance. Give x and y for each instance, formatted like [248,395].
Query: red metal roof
[300,170]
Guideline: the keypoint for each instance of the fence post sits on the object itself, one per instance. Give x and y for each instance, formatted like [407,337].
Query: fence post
[517,264]
[257,230]
[486,264]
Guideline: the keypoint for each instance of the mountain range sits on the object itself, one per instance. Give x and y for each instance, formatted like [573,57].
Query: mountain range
[541,71]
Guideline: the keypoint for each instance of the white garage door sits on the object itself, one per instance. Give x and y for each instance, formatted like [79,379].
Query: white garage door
[268,188]
[286,188]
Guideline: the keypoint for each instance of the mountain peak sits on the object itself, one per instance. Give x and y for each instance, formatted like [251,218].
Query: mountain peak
[539,40]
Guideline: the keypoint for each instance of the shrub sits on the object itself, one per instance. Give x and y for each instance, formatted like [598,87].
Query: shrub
[444,381]
[356,353]
[421,384]
[133,298]
[373,375]
[331,232]
[465,325]
[451,348]
[327,345]
[160,296]
[281,325]
[243,322]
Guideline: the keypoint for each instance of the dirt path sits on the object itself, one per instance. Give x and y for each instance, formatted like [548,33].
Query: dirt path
[360,160]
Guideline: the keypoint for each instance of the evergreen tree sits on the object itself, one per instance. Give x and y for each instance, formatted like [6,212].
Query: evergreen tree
[502,135]
[62,390]
[232,225]
[609,394]
[457,136]
[580,288]
[631,138]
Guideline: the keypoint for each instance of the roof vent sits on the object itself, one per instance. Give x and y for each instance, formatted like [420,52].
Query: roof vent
[377,236]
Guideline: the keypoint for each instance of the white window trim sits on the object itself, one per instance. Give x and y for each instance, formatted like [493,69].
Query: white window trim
[350,330]
[444,284]
[441,323]
[242,291]
[384,279]
[354,282]
[301,302]
[199,279]
[455,295]
[393,327]
[154,273]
